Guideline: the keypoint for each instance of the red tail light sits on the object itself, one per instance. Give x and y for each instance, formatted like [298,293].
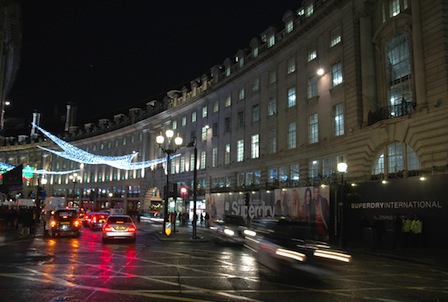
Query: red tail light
[107,228]
[132,228]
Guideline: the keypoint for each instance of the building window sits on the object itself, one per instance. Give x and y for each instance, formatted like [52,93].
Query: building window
[314,169]
[312,52]
[291,97]
[255,113]
[227,154]
[204,111]
[214,157]
[227,124]
[240,150]
[292,135]
[256,85]
[337,74]
[255,146]
[174,124]
[272,141]
[291,65]
[227,71]
[240,61]
[184,121]
[182,164]
[193,117]
[399,71]
[203,159]
[294,173]
[394,8]
[255,52]
[215,129]
[309,10]
[204,133]
[271,41]
[313,134]
[395,158]
[241,119]
[338,119]
[272,77]
[215,106]
[272,106]
[335,36]
[192,163]
[228,101]
[289,26]
[311,90]
[241,94]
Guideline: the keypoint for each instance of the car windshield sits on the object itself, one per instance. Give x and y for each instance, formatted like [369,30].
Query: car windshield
[119,220]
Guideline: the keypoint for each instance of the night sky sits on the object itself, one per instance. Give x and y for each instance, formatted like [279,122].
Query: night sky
[110,55]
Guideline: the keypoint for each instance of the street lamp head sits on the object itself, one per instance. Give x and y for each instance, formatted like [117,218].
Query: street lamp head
[342,167]
[160,139]
[169,133]
[178,140]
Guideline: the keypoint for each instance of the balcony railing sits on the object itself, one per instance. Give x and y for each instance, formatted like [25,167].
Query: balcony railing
[391,112]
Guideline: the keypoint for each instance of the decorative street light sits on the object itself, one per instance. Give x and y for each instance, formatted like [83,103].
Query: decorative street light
[75,178]
[195,186]
[342,168]
[168,148]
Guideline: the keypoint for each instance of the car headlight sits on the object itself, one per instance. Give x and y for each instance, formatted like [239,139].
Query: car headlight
[229,232]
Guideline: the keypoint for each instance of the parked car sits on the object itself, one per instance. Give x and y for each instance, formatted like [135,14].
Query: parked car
[97,220]
[229,229]
[289,246]
[119,227]
[65,222]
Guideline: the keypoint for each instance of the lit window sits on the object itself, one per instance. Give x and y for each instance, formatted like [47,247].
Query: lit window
[313,135]
[255,52]
[337,73]
[338,119]
[394,8]
[291,97]
[272,106]
[335,36]
[255,146]
[312,53]
[227,71]
[193,116]
[203,159]
[399,72]
[174,124]
[184,121]
[228,101]
[240,150]
[227,154]
[309,10]
[214,157]
[289,26]
[256,85]
[204,133]
[291,65]
[241,61]
[271,41]
[314,169]
[294,173]
[292,136]
[204,111]
[241,94]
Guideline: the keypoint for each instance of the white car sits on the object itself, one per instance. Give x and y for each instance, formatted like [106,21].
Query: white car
[119,227]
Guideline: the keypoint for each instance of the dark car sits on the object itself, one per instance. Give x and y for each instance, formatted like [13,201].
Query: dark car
[229,229]
[289,246]
[65,222]
[97,220]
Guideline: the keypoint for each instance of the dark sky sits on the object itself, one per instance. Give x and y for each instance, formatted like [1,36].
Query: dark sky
[107,55]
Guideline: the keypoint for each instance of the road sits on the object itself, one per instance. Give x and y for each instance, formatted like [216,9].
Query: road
[85,269]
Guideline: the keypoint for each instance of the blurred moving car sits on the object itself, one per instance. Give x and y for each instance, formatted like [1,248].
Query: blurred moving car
[151,217]
[97,220]
[230,229]
[65,222]
[119,227]
[289,246]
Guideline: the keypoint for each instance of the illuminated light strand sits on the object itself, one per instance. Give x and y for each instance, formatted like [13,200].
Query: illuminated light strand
[78,155]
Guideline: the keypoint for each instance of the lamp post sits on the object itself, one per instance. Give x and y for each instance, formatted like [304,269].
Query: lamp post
[195,186]
[342,168]
[75,178]
[168,148]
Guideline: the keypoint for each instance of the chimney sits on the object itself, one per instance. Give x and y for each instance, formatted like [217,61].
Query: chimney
[71,116]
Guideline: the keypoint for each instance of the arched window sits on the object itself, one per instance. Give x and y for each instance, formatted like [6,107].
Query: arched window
[395,158]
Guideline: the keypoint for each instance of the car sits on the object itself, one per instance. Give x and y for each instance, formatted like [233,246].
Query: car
[65,222]
[291,246]
[119,227]
[97,220]
[229,229]
[151,217]
[86,219]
